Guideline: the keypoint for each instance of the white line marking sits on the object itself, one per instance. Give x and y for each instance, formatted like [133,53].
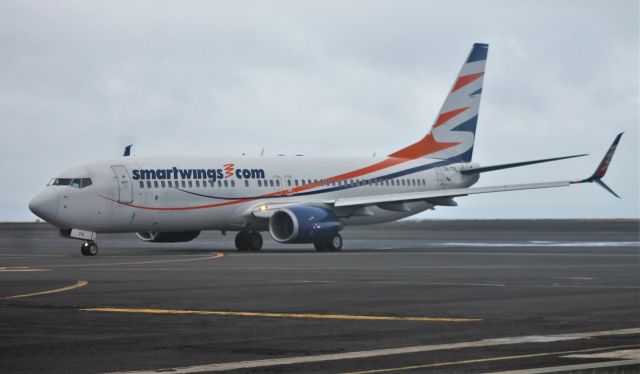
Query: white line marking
[627,354]
[381,352]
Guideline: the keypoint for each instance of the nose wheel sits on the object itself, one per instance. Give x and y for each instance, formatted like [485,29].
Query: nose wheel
[89,248]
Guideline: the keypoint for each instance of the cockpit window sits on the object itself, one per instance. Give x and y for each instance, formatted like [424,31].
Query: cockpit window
[60,182]
[73,182]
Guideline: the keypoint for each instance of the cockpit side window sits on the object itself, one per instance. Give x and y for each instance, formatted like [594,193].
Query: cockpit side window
[86,182]
[76,183]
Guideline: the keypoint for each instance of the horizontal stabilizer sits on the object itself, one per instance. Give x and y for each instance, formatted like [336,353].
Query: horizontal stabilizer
[484,169]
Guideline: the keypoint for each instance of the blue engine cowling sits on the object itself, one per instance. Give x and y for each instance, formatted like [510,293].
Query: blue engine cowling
[303,224]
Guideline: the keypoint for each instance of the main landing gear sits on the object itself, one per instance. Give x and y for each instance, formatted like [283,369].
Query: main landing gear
[248,241]
[332,244]
[89,248]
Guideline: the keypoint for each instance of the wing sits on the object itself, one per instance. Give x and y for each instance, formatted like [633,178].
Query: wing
[439,197]
[445,197]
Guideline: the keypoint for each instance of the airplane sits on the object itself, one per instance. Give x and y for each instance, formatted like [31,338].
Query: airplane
[296,199]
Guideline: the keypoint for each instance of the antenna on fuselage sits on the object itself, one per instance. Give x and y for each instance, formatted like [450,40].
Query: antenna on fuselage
[127,150]
[262,152]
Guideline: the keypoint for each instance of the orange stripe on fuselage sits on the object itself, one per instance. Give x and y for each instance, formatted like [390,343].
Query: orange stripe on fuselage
[389,162]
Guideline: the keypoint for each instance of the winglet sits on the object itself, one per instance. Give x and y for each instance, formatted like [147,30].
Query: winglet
[127,150]
[601,170]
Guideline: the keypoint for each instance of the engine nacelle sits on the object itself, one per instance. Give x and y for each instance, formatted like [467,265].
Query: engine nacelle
[303,224]
[168,237]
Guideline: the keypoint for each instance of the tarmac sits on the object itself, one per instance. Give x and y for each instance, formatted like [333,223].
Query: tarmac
[408,297]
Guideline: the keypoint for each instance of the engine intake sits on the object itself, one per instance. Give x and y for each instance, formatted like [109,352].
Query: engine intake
[168,237]
[303,224]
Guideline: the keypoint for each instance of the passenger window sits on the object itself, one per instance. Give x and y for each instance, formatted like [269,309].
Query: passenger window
[259,183]
[141,184]
[271,183]
[219,183]
[162,184]
[277,183]
[226,183]
[184,184]
[246,183]
[289,182]
[211,184]
[155,184]
[169,184]
[233,183]
[295,182]
[190,184]
[148,184]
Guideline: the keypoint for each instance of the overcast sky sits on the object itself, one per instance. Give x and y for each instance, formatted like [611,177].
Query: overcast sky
[81,79]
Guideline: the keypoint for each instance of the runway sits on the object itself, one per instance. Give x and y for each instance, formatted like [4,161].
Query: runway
[412,297]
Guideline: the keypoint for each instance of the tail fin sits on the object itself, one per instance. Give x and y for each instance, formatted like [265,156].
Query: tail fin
[453,132]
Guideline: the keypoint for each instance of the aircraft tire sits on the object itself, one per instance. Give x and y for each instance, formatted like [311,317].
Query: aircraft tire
[320,245]
[255,241]
[335,243]
[242,241]
[89,248]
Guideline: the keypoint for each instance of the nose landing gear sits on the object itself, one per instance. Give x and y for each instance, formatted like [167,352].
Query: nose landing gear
[89,248]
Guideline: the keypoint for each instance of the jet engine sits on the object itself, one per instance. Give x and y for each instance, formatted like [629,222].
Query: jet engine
[303,224]
[168,237]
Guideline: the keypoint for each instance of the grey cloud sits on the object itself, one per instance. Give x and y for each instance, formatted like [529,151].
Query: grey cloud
[79,80]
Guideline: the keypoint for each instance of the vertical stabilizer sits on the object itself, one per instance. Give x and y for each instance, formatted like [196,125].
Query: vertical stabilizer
[453,132]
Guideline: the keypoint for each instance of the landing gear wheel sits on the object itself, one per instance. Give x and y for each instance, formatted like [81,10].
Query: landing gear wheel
[242,241]
[332,244]
[89,248]
[335,243]
[320,245]
[255,241]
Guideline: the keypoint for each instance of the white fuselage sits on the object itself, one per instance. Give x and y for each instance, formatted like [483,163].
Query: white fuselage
[135,194]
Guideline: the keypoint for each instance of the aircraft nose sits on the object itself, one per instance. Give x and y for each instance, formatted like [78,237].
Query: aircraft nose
[45,204]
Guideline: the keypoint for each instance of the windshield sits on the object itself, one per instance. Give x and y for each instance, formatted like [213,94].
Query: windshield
[60,182]
[73,182]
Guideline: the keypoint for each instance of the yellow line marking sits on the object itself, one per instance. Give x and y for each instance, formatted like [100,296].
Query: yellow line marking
[68,288]
[19,269]
[214,256]
[281,315]
[491,359]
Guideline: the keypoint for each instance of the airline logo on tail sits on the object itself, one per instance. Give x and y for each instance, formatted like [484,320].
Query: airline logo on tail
[453,132]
